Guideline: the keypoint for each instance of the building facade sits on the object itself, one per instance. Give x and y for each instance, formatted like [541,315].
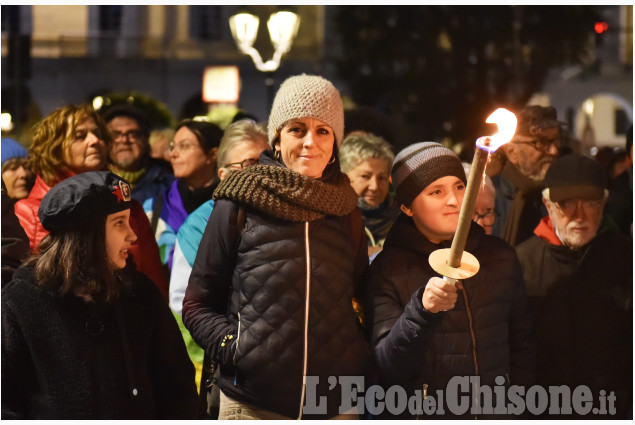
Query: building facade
[55,55]
[67,54]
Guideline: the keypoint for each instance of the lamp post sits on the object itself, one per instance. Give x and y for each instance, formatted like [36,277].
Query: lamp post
[283,27]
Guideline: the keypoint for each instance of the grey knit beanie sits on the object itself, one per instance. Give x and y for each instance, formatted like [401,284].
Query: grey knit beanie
[420,164]
[304,96]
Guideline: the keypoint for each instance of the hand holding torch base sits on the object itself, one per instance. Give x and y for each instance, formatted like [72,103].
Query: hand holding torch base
[439,262]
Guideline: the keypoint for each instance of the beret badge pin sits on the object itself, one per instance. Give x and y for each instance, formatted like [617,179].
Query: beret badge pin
[122,192]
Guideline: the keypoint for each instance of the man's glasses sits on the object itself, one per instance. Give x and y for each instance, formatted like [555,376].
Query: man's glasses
[570,206]
[132,135]
[542,145]
[488,217]
[242,164]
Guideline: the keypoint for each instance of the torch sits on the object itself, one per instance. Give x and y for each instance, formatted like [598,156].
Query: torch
[455,263]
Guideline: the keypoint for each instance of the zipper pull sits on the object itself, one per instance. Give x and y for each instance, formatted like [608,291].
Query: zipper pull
[425,391]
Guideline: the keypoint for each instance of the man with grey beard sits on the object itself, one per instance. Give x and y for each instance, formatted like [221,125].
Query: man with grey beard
[129,153]
[580,287]
[529,155]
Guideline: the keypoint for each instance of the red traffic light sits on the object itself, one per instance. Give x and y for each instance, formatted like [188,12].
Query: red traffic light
[601,27]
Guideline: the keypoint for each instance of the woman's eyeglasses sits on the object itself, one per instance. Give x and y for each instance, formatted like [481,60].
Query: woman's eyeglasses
[242,164]
[488,217]
[181,147]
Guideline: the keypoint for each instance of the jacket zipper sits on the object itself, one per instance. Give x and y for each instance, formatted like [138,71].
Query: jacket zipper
[472,334]
[236,351]
[237,341]
[307,253]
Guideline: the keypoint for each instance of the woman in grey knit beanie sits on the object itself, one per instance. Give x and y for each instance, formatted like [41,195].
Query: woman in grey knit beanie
[270,295]
[308,113]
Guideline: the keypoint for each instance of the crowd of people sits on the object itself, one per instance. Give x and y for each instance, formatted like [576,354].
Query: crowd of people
[281,270]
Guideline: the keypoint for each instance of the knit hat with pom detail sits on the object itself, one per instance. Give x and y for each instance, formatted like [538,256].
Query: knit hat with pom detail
[307,96]
[420,164]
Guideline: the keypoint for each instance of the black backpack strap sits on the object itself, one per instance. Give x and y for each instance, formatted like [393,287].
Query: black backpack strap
[157,207]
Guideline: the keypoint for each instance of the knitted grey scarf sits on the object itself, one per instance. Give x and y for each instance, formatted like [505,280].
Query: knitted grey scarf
[288,195]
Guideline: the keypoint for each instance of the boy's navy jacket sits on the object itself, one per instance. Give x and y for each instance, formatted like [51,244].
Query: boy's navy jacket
[487,334]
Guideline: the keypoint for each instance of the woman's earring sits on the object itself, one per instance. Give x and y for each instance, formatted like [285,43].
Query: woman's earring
[277,155]
[332,161]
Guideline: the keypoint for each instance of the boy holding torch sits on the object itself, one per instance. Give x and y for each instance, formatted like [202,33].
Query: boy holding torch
[426,330]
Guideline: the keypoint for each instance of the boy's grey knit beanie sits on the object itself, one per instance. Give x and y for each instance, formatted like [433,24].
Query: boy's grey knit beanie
[420,164]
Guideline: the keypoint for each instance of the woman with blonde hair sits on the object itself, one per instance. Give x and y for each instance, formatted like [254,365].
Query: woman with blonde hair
[70,141]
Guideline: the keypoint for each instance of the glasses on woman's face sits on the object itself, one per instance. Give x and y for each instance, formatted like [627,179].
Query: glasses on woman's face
[488,217]
[181,146]
[242,164]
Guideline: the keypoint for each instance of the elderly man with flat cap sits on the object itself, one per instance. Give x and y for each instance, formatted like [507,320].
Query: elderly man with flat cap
[528,156]
[580,285]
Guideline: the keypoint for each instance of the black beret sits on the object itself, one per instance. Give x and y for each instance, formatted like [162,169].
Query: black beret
[81,200]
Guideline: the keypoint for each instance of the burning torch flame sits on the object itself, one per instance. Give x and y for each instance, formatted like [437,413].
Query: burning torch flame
[506,123]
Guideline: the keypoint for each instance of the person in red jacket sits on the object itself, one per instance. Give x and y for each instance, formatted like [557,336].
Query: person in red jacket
[70,141]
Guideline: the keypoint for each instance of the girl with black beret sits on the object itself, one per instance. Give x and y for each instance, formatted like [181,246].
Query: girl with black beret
[84,335]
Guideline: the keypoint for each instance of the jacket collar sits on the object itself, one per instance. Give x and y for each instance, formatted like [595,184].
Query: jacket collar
[39,189]
[545,231]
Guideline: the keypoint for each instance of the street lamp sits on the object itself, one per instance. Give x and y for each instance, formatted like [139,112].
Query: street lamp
[283,27]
